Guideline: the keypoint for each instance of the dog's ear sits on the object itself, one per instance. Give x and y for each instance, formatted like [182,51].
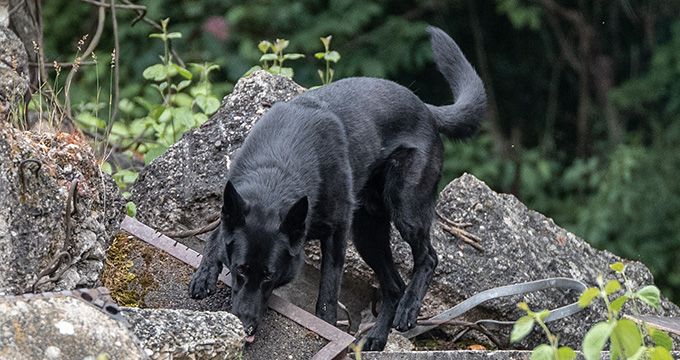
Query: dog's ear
[293,224]
[233,208]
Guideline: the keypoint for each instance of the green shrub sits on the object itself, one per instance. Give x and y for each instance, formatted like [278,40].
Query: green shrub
[627,339]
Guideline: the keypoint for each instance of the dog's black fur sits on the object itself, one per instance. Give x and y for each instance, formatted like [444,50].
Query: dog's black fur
[349,157]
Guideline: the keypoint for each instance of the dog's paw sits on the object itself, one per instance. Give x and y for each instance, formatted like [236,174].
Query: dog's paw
[326,313]
[406,315]
[203,284]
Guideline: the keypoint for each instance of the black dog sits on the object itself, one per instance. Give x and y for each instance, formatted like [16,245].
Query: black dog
[351,156]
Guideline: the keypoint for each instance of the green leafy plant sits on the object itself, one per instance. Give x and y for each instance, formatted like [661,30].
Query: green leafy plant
[627,339]
[181,103]
[520,15]
[181,99]
[178,111]
[273,57]
[328,56]
[357,347]
[524,325]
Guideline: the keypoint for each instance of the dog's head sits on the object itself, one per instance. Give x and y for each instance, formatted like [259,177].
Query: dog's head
[264,250]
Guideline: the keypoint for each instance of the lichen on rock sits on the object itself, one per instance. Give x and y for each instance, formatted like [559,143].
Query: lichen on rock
[38,172]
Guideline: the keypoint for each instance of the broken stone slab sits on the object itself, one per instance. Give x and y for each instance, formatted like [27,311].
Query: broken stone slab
[183,187]
[14,79]
[37,174]
[519,245]
[187,334]
[62,327]
[141,275]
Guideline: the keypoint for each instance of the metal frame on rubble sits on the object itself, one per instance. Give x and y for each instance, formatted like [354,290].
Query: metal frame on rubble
[338,340]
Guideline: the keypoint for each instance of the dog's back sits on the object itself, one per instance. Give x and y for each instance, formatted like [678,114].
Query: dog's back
[380,116]
[367,119]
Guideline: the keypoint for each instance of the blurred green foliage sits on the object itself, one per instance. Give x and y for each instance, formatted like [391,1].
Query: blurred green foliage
[626,200]
[619,193]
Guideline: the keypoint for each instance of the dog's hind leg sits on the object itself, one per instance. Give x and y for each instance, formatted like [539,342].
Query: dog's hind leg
[371,236]
[332,261]
[410,193]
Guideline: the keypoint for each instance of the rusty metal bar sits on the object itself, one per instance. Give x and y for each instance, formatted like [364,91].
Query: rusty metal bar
[338,339]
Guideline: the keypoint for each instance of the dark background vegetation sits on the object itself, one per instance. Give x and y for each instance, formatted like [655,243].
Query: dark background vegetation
[584,96]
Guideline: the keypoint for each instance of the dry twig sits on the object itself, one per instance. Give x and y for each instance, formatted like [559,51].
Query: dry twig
[427,322]
[214,222]
[90,48]
[455,228]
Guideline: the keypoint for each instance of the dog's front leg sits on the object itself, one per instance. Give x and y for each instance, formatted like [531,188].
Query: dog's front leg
[204,281]
[332,261]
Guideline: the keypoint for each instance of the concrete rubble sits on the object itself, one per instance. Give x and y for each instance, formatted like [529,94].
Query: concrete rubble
[56,209]
[62,328]
[186,334]
[519,245]
[182,189]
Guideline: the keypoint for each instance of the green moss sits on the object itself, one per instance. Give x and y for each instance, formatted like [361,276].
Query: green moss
[127,287]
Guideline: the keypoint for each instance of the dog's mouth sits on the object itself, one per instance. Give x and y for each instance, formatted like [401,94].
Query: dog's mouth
[250,334]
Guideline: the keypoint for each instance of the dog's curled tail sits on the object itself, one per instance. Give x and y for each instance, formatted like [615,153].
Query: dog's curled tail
[461,119]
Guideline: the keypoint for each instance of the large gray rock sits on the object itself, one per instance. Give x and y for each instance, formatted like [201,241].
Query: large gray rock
[13,72]
[184,186]
[33,222]
[62,328]
[186,334]
[519,245]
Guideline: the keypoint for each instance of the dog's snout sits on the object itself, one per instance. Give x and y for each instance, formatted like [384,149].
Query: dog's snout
[249,325]
[250,330]
[249,321]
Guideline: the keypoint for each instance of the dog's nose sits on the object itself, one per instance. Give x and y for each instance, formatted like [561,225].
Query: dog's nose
[250,330]
[249,325]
